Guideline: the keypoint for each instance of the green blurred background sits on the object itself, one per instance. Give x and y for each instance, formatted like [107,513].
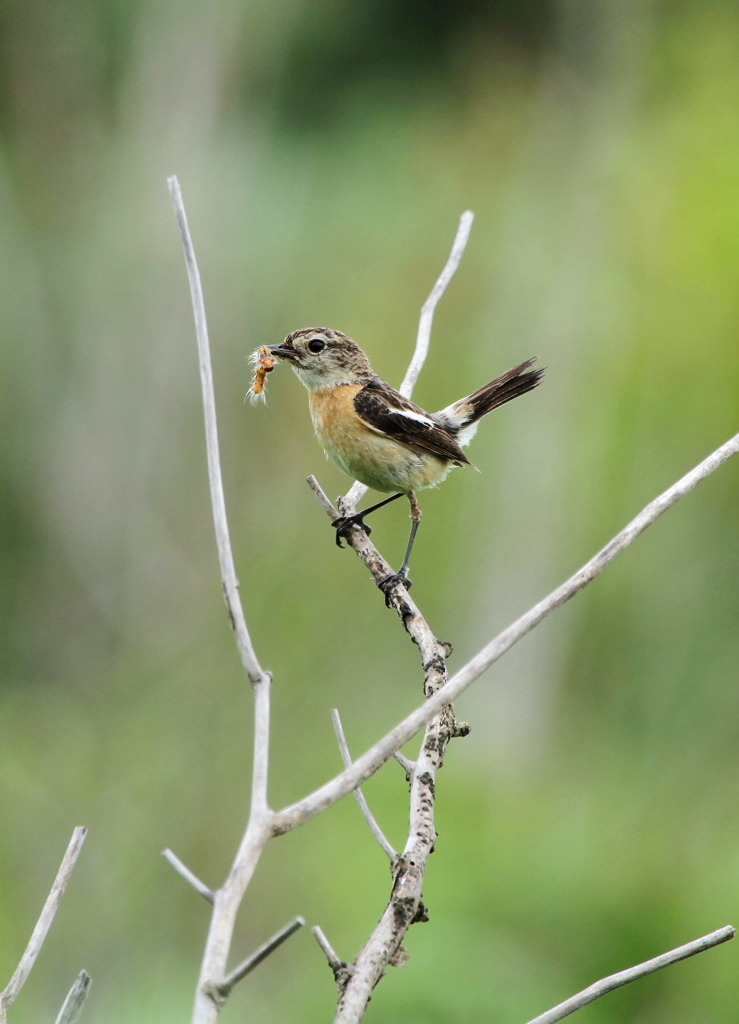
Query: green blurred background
[325,152]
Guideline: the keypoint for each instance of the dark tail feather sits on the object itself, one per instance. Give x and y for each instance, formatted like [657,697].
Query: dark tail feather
[505,388]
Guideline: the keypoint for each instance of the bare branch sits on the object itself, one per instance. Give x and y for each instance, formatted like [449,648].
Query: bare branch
[38,936]
[357,491]
[71,1011]
[260,954]
[404,907]
[613,981]
[225,556]
[226,900]
[367,814]
[648,515]
[188,875]
[370,761]
[328,505]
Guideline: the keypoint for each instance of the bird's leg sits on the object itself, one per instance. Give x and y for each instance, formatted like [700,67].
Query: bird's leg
[401,576]
[343,524]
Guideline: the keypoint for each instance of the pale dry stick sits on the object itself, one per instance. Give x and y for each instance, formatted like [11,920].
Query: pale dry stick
[405,763]
[613,981]
[329,952]
[369,762]
[341,971]
[227,899]
[357,491]
[425,323]
[220,520]
[38,936]
[71,1011]
[367,814]
[260,954]
[384,946]
[356,982]
[187,874]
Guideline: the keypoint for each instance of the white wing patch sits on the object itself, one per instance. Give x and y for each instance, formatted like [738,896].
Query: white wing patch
[417,416]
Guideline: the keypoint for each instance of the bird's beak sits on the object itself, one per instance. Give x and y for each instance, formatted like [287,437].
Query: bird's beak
[283,351]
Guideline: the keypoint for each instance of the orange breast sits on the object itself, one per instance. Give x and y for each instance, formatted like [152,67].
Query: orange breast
[366,454]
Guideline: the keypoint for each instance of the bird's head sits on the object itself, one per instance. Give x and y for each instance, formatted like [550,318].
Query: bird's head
[324,358]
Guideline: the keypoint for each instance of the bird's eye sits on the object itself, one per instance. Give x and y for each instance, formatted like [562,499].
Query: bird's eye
[316,346]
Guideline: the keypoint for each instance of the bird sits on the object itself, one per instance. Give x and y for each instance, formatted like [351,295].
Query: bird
[378,436]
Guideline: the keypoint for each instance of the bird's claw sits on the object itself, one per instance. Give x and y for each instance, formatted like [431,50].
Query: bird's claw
[386,585]
[343,525]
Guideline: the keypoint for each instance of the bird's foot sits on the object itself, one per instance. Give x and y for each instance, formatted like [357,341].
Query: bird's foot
[343,525]
[387,584]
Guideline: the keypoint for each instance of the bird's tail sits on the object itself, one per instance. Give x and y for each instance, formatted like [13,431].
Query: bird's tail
[460,419]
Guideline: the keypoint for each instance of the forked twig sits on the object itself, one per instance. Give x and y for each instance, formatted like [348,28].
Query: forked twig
[227,899]
[613,981]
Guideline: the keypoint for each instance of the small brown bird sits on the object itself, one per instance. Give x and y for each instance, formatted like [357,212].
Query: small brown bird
[379,437]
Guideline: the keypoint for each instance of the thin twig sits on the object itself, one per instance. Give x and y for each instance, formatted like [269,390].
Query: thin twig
[188,875]
[220,519]
[369,817]
[71,1011]
[425,323]
[613,981]
[260,954]
[328,950]
[20,975]
[357,491]
[371,760]
[405,763]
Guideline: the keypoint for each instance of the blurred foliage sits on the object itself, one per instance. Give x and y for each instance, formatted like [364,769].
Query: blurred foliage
[325,152]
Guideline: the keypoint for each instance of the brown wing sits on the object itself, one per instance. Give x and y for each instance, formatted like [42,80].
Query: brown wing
[384,409]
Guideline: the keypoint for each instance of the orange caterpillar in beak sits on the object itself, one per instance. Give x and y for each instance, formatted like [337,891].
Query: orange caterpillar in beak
[263,362]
